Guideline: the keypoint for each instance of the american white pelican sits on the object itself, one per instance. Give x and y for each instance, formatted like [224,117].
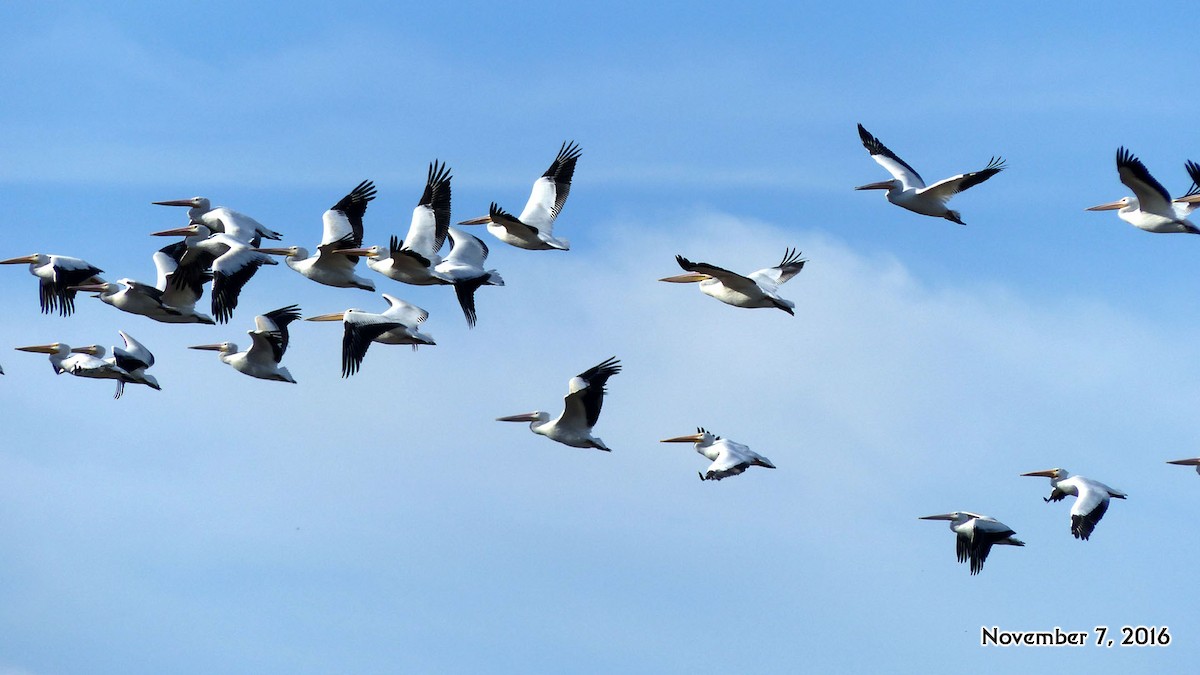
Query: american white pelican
[225,220]
[463,268]
[534,228]
[232,264]
[1194,462]
[411,260]
[977,534]
[1151,208]
[397,325]
[1091,498]
[908,189]
[133,358]
[56,275]
[181,290]
[270,341]
[729,458]
[343,228]
[78,362]
[760,289]
[585,396]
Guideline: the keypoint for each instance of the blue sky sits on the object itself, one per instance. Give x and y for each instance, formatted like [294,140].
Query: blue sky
[386,523]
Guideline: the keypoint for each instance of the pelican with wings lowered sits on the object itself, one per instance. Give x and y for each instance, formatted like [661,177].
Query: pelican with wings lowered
[907,188]
[1091,498]
[977,534]
[397,325]
[729,458]
[581,409]
[759,289]
[56,275]
[269,342]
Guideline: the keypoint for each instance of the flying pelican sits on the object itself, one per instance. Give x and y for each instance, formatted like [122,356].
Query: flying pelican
[79,361]
[534,229]
[397,325]
[270,341]
[156,302]
[908,189]
[1151,208]
[1187,462]
[411,260]
[976,536]
[232,264]
[343,229]
[181,291]
[133,358]
[585,395]
[1091,498]
[729,458]
[463,268]
[56,275]
[225,220]
[757,290]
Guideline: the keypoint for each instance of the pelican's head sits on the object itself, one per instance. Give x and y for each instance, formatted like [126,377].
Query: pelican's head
[190,230]
[200,203]
[881,185]
[1121,203]
[91,350]
[532,417]
[223,347]
[298,252]
[52,348]
[701,437]
[32,259]
[1052,474]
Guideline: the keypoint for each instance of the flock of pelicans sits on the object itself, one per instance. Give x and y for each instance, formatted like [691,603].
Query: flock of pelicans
[223,248]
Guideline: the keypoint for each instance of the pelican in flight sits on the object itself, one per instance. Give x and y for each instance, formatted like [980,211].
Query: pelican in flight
[977,534]
[133,358]
[269,342]
[343,228]
[224,220]
[1091,498]
[1194,462]
[79,362]
[729,458]
[534,228]
[1151,207]
[231,263]
[760,289]
[411,260]
[907,188]
[164,302]
[56,275]
[585,396]
[397,325]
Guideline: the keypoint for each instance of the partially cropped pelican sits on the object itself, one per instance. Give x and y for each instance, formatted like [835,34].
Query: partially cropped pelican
[907,188]
[1194,462]
[977,534]
[397,325]
[411,260]
[135,297]
[1091,498]
[343,228]
[581,410]
[231,262]
[729,458]
[534,228]
[270,341]
[1151,208]
[760,289]
[79,362]
[225,220]
[56,275]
